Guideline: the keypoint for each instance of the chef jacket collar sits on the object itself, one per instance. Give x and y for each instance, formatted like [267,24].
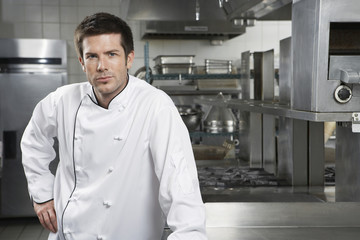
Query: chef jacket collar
[119,101]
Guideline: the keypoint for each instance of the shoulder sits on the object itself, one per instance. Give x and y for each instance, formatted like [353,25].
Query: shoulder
[145,92]
[67,93]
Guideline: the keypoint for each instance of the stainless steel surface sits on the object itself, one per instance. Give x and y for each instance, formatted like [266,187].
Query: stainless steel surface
[288,214]
[202,29]
[174,59]
[347,165]
[323,30]
[277,109]
[174,19]
[293,233]
[264,90]
[256,140]
[31,57]
[22,86]
[316,154]
[220,119]
[244,117]
[285,71]
[286,127]
[269,143]
[300,164]
[285,149]
[257,9]
[338,63]
[218,66]
[174,68]
[274,221]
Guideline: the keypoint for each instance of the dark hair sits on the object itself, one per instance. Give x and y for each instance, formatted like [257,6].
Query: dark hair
[103,23]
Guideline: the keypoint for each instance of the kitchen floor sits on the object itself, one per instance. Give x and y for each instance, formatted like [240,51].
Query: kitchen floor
[22,229]
[31,229]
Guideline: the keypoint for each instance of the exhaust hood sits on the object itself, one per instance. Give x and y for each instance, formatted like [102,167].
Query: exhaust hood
[200,19]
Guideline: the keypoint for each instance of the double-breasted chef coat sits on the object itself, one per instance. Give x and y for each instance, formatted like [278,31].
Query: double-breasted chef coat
[123,171]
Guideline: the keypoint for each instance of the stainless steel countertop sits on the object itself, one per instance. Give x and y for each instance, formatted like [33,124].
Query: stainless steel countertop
[288,221]
[274,108]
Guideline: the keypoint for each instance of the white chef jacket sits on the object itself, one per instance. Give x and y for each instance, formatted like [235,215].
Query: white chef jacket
[123,171]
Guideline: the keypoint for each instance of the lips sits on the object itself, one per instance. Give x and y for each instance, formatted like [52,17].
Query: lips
[103,78]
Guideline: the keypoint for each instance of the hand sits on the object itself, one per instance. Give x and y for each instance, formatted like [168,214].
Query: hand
[46,214]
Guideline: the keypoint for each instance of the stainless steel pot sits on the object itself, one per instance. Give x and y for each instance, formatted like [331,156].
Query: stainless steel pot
[190,116]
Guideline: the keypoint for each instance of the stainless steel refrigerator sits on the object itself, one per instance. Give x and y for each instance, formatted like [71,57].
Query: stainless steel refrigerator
[29,70]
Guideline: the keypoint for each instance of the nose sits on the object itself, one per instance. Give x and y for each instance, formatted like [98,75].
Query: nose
[102,65]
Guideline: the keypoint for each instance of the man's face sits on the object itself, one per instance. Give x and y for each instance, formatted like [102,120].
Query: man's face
[105,64]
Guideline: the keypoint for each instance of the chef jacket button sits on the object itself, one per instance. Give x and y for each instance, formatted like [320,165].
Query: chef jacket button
[66,231]
[107,204]
[111,169]
[78,169]
[117,138]
[100,237]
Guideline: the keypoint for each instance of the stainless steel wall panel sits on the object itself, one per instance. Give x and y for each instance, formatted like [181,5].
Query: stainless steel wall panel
[316,154]
[244,118]
[347,165]
[255,139]
[300,153]
[269,144]
[285,149]
[285,71]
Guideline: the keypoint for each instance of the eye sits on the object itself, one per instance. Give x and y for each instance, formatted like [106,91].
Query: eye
[111,54]
[91,56]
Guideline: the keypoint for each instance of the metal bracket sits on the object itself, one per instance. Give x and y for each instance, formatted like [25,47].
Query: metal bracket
[355,123]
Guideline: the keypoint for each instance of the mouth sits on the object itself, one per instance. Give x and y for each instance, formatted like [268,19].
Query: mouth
[103,79]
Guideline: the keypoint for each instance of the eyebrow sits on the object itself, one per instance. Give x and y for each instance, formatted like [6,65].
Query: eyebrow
[109,51]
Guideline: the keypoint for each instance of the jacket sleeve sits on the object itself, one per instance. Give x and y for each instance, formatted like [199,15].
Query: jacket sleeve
[174,162]
[37,150]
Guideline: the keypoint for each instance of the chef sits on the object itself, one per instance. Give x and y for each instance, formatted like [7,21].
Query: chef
[126,163]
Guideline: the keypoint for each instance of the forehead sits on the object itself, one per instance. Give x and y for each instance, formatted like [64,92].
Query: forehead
[102,42]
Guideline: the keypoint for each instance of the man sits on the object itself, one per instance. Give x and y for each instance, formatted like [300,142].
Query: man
[126,164]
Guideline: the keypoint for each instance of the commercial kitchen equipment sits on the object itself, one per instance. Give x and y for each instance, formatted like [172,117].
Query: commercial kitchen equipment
[29,70]
[327,55]
[326,66]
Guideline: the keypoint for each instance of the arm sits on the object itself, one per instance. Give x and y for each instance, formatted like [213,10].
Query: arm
[175,167]
[37,153]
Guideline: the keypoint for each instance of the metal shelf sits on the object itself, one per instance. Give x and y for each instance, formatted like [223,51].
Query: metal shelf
[208,134]
[275,108]
[186,76]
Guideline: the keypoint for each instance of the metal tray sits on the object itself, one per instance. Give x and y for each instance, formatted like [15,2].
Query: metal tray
[174,68]
[174,59]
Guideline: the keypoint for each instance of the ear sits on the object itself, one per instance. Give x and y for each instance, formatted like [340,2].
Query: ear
[130,59]
[82,64]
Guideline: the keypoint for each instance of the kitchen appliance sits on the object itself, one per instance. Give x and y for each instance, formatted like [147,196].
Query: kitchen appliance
[29,70]
[326,56]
